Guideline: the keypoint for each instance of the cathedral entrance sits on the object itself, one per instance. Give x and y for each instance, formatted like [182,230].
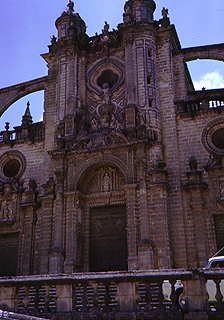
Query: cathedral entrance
[108,238]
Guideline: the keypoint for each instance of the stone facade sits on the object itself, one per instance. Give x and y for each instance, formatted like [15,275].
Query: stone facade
[126,170]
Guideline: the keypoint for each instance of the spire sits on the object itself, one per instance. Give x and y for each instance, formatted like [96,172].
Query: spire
[27,118]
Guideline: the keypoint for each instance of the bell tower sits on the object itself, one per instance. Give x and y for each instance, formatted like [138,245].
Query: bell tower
[139,32]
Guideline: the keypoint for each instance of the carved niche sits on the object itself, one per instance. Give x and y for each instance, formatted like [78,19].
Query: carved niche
[105,179]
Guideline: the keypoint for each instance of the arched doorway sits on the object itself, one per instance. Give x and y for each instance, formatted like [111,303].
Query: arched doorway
[103,206]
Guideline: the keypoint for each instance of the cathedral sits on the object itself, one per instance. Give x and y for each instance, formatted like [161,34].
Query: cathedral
[125,172]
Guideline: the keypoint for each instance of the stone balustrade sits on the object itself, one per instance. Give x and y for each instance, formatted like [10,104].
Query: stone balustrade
[201,101]
[115,295]
[33,132]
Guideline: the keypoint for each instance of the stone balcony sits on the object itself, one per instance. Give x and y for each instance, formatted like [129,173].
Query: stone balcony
[115,295]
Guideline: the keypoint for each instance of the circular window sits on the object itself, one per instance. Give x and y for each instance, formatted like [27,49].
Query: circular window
[218,138]
[11,168]
[213,136]
[12,165]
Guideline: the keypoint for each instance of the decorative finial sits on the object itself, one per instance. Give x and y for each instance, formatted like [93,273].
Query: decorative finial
[71,6]
[28,104]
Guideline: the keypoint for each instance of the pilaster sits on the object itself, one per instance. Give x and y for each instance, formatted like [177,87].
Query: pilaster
[197,234]
[46,220]
[57,252]
[131,225]
[158,189]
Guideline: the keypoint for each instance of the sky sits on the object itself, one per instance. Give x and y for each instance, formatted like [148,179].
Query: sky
[27,25]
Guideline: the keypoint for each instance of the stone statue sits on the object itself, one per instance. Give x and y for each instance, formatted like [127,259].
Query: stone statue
[71,6]
[193,164]
[53,40]
[106,28]
[106,93]
[165,13]
[106,182]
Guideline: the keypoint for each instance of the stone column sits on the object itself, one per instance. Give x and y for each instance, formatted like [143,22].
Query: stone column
[57,253]
[131,226]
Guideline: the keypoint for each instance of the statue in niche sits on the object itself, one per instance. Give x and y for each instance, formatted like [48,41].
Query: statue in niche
[6,212]
[106,182]
[106,93]
[105,109]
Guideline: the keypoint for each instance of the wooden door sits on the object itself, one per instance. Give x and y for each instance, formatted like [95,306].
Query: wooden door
[8,254]
[108,238]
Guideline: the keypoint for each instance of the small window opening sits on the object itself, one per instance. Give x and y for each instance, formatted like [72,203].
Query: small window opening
[149,53]
[150,102]
[148,79]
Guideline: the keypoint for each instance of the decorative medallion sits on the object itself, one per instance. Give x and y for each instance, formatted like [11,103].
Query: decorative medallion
[12,166]
[213,137]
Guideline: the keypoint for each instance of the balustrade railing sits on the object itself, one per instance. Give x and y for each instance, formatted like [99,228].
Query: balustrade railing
[108,294]
[192,107]
[33,132]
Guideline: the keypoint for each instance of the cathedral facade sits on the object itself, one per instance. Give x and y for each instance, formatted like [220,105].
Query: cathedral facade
[126,170]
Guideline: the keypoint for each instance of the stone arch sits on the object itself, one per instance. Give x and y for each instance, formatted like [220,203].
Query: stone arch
[11,94]
[97,162]
[213,52]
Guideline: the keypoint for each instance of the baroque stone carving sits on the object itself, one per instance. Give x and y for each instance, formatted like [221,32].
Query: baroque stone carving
[7,211]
